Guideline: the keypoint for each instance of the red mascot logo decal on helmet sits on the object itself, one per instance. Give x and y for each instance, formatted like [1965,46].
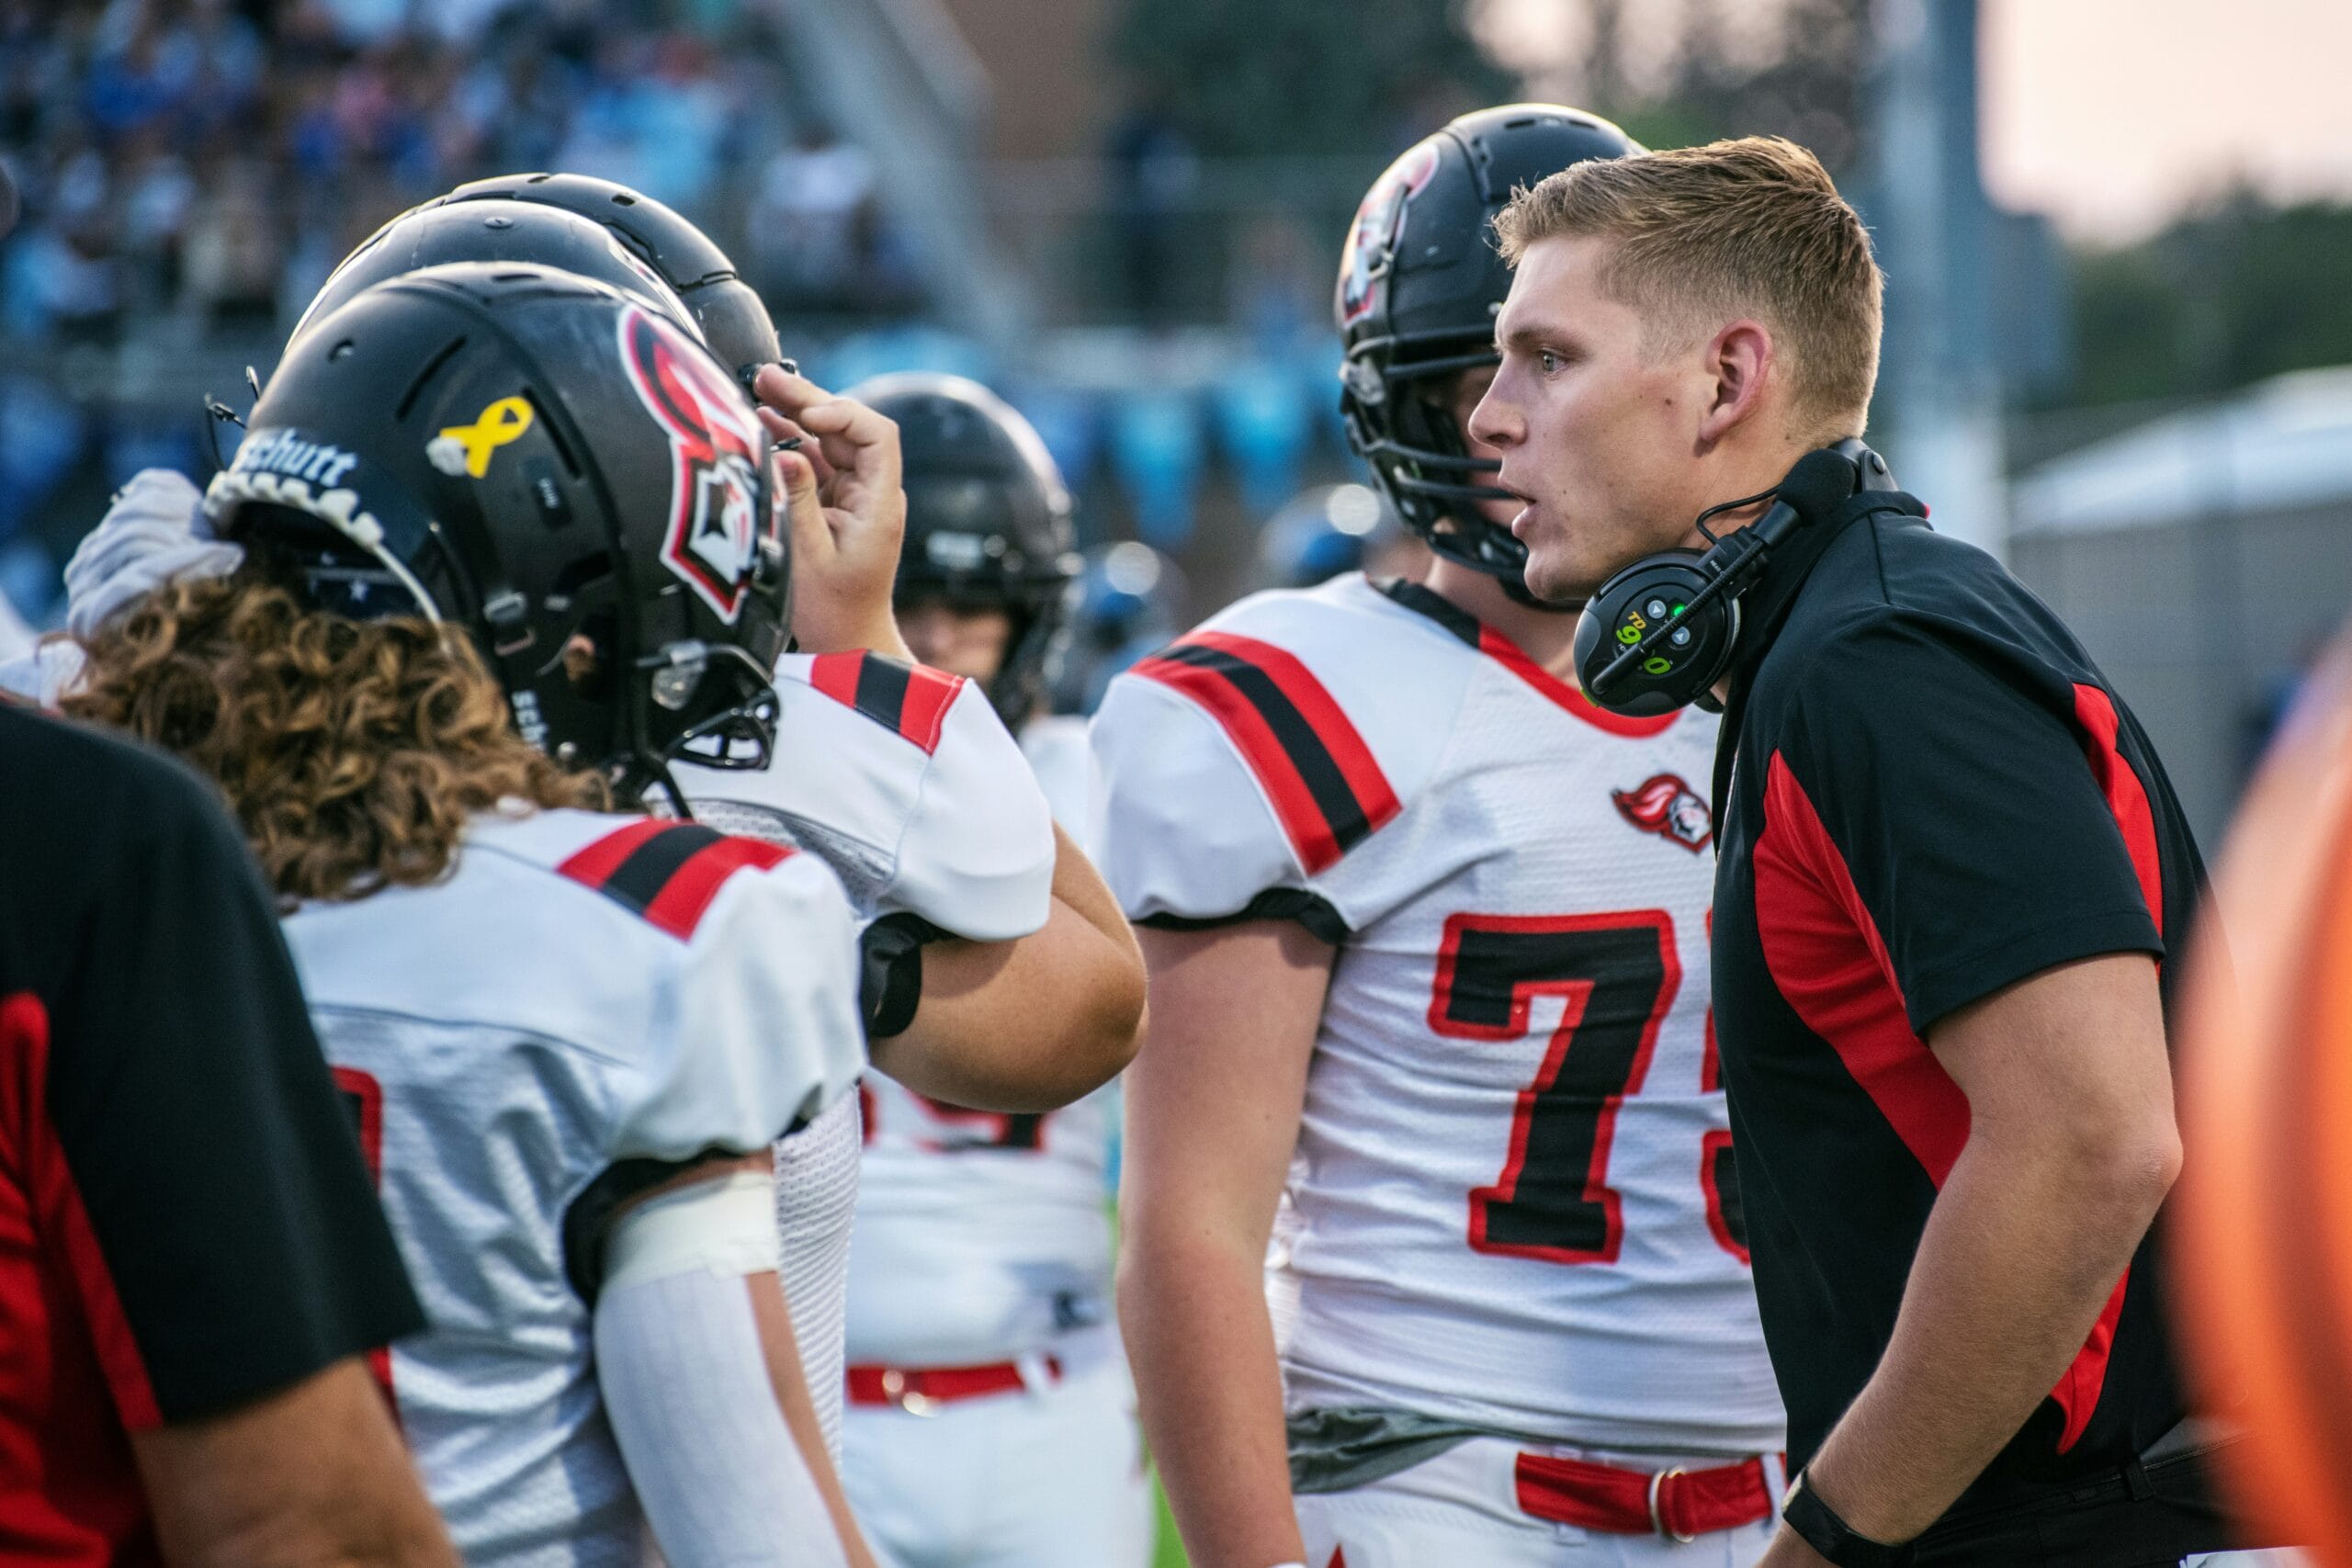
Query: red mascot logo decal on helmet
[713,536]
[1664,805]
[1372,243]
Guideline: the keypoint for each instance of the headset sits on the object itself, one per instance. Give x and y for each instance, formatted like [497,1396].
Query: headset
[1658,635]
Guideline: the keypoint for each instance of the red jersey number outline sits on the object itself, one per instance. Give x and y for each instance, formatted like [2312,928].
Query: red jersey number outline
[1618,974]
[364,1098]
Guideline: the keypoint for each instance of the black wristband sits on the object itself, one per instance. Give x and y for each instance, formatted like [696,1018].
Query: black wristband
[1818,1524]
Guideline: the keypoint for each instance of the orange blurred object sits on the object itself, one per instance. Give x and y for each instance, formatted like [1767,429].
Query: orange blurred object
[2263,1249]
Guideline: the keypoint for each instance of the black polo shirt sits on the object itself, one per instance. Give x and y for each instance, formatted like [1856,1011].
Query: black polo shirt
[186,1222]
[1935,794]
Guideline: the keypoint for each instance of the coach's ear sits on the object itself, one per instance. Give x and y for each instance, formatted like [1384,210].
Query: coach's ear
[1739,361]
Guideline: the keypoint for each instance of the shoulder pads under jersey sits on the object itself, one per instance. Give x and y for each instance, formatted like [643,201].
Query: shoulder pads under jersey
[906,783]
[1255,753]
[760,995]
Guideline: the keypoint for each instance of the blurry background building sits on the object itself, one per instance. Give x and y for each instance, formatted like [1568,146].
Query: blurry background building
[1128,213]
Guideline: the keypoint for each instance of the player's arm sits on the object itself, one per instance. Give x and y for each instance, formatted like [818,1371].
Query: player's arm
[313,1475]
[2071,1148]
[846,510]
[1213,1106]
[1980,845]
[979,1037]
[702,1378]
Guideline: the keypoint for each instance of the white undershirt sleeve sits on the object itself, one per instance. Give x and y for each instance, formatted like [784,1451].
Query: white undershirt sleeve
[685,1383]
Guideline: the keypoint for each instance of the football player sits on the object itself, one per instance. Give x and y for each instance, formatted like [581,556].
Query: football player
[507,553]
[991,1419]
[1431,1250]
[905,783]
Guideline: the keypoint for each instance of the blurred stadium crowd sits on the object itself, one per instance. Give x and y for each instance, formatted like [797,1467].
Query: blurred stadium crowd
[208,162]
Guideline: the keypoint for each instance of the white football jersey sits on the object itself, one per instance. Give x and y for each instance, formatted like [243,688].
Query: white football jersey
[906,783]
[904,780]
[1512,1203]
[587,1000]
[980,1237]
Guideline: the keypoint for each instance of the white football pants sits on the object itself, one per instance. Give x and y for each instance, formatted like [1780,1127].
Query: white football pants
[1461,1507]
[1050,1476]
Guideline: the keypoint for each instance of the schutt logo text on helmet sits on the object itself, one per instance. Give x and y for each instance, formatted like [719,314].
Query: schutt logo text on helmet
[1664,805]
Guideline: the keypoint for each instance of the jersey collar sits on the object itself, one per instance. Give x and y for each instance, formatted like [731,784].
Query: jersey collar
[1475,633]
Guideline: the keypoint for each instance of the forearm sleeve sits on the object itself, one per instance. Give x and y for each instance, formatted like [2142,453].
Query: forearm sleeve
[685,1383]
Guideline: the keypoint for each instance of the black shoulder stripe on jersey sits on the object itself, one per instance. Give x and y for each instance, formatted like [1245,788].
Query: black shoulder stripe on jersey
[639,880]
[882,690]
[1335,798]
[1436,606]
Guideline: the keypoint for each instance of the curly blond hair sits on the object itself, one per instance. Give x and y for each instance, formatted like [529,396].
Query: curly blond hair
[352,751]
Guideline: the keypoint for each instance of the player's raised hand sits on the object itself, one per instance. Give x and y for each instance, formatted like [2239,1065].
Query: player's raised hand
[848,512]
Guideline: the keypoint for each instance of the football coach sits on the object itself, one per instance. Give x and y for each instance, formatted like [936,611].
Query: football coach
[1952,879]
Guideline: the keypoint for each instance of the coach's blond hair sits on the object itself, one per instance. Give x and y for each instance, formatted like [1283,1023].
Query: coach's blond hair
[1699,236]
[353,753]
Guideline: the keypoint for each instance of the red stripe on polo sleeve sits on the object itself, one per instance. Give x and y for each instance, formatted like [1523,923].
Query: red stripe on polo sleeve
[2126,796]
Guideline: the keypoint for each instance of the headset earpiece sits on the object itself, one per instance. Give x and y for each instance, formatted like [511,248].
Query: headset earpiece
[1681,666]
[1660,633]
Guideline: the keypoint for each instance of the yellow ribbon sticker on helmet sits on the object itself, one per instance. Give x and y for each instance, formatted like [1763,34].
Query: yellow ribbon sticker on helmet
[467,448]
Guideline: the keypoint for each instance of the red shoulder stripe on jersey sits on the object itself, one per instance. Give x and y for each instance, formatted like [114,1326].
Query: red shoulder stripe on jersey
[911,699]
[55,1199]
[668,872]
[1827,958]
[1325,786]
[678,908]
[598,861]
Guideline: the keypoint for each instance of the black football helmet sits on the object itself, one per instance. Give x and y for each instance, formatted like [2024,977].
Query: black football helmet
[1420,283]
[733,318]
[988,520]
[436,234]
[557,468]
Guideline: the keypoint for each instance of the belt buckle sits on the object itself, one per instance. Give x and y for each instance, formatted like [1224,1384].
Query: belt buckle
[1657,1520]
[895,1388]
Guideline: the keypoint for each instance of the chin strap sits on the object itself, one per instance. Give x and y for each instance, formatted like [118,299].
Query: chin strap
[1515,589]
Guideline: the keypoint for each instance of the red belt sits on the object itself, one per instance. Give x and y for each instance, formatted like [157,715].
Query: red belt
[919,1390]
[1678,1504]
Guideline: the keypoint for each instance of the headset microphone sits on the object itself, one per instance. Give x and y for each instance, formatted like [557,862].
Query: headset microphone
[1658,634]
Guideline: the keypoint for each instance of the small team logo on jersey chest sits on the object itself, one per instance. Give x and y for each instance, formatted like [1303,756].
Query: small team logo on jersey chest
[1664,805]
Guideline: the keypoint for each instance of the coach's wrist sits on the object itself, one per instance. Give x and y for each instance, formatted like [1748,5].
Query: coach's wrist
[1819,1527]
